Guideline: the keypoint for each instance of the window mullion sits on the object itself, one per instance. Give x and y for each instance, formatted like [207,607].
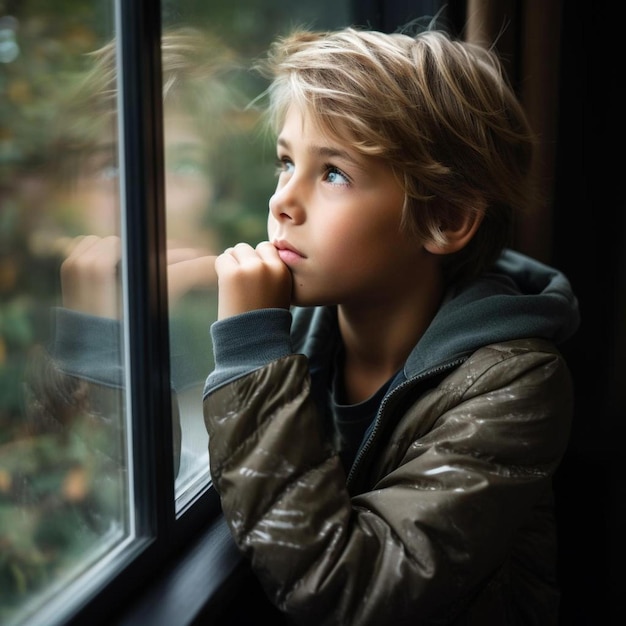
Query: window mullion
[141,154]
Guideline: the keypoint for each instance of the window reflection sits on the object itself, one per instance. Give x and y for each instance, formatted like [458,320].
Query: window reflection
[199,114]
[64,471]
[202,108]
[64,499]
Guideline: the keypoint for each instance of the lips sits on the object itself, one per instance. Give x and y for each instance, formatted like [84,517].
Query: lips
[289,257]
[288,254]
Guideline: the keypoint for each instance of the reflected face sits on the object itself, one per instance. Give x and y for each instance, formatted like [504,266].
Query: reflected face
[92,201]
[188,184]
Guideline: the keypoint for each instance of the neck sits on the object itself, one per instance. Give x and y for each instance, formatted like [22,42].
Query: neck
[379,336]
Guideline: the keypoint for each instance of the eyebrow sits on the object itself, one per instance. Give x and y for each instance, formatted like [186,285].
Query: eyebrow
[323,151]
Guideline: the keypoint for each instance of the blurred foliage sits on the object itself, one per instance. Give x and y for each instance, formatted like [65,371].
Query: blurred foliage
[60,491]
[41,43]
[59,500]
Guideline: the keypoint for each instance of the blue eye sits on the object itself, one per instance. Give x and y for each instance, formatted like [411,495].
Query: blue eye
[335,176]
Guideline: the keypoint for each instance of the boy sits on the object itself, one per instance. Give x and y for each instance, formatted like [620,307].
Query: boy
[388,406]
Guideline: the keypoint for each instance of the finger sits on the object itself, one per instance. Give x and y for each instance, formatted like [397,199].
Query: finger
[176,255]
[268,252]
[199,273]
[242,252]
[63,246]
[76,246]
[232,258]
[90,254]
[226,258]
[96,252]
[89,281]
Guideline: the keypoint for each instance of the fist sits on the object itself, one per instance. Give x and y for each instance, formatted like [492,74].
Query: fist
[250,279]
[89,277]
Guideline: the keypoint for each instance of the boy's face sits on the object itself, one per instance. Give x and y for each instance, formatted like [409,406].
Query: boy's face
[335,218]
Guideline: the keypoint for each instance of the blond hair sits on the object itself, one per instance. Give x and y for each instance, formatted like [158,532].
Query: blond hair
[195,68]
[440,112]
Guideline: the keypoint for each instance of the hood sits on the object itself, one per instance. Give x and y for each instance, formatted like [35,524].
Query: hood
[521,298]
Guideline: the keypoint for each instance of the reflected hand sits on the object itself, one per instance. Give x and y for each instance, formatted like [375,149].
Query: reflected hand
[90,282]
[89,277]
[252,278]
[187,269]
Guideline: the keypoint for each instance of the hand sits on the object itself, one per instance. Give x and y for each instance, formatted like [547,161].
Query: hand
[89,277]
[187,269]
[90,280]
[250,279]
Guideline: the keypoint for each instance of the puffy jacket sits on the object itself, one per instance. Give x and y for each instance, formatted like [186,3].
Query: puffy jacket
[446,515]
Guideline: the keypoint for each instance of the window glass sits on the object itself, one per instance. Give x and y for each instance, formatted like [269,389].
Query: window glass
[67,504]
[219,176]
[64,492]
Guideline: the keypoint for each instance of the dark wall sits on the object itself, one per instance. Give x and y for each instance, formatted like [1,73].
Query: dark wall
[589,242]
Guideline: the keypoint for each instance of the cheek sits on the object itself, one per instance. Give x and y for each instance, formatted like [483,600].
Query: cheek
[364,245]
[187,197]
[97,210]
[344,237]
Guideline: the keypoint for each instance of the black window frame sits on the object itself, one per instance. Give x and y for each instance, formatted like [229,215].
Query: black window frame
[161,537]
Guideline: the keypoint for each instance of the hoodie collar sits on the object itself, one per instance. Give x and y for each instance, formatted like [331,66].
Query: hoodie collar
[520,298]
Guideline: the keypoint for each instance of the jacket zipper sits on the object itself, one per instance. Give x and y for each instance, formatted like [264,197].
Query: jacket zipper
[363,450]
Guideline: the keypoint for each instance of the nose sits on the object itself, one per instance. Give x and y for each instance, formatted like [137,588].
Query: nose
[286,202]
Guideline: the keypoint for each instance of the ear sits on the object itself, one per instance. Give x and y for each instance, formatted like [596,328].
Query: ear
[456,229]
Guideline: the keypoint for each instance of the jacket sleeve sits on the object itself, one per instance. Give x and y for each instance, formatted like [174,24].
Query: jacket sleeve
[76,385]
[463,470]
[75,439]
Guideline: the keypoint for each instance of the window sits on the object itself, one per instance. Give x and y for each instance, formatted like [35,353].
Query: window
[116,165]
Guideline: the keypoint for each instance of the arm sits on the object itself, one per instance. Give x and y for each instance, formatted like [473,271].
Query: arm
[81,375]
[90,282]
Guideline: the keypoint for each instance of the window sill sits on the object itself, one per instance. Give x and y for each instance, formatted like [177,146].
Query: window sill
[197,584]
